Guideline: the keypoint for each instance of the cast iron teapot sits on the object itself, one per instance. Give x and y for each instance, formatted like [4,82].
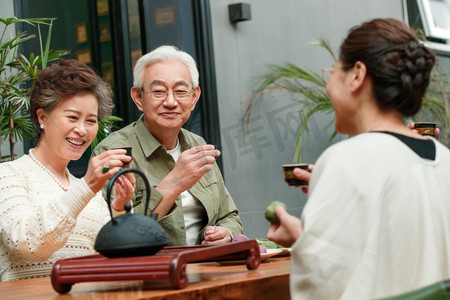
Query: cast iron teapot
[130,234]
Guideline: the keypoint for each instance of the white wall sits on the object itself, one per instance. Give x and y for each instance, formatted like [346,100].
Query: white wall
[278,32]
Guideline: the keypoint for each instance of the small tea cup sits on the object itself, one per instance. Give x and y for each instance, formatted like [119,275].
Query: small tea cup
[289,176]
[128,149]
[426,128]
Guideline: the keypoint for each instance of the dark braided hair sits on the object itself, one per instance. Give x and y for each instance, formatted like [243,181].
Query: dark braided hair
[397,62]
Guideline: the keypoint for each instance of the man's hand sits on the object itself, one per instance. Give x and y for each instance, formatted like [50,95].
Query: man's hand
[190,167]
[216,235]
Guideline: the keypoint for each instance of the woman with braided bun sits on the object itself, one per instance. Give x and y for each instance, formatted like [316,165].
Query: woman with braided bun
[377,220]
[46,213]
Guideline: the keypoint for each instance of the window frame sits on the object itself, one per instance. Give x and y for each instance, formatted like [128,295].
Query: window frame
[430,29]
[413,17]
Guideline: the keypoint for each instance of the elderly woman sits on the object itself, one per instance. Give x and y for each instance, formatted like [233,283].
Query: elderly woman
[45,212]
[377,220]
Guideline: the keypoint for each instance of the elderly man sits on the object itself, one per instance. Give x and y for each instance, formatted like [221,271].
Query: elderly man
[187,190]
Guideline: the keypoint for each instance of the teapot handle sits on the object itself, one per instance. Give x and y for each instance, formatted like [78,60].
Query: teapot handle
[121,172]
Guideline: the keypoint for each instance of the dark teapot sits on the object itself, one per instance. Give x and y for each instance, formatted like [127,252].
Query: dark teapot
[130,234]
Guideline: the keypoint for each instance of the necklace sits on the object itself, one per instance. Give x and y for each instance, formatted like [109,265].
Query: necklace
[65,188]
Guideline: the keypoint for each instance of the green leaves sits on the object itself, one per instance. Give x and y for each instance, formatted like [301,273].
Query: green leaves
[322,42]
[31,21]
[16,72]
[105,127]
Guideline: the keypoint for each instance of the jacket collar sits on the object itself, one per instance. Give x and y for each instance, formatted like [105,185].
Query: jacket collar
[150,144]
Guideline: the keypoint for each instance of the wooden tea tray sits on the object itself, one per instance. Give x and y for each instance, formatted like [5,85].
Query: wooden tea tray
[169,263]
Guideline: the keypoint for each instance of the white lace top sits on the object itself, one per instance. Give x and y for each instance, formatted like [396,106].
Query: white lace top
[40,223]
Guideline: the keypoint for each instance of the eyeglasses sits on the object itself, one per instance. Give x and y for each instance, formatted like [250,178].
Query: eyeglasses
[162,95]
[326,72]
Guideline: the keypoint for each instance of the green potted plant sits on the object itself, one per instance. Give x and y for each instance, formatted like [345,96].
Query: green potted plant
[16,74]
[308,88]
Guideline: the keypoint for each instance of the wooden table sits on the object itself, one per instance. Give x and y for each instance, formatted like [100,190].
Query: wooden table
[209,280]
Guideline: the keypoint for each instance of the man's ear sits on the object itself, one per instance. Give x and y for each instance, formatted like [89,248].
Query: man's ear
[195,97]
[359,73]
[136,95]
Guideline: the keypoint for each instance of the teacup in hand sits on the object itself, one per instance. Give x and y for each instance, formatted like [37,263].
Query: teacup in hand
[289,176]
[128,149]
[426,128]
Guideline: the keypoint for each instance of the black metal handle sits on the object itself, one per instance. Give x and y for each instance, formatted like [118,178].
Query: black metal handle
[121,172]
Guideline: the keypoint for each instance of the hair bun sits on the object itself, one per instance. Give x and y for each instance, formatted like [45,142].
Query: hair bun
[398,63]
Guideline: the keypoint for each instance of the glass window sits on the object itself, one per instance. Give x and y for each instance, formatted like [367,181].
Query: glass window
[134,31]
[435,16]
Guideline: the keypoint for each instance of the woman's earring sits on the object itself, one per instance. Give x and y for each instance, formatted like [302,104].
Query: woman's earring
[42,126]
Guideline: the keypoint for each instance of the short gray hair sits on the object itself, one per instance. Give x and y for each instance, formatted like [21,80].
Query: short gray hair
[165,53]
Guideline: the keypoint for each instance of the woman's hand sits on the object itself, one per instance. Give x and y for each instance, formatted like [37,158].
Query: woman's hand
[304,175]
[112,159]
[123,190]
[289,229]
[216,235]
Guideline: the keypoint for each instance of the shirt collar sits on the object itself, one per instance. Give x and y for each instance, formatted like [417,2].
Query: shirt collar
[150,144]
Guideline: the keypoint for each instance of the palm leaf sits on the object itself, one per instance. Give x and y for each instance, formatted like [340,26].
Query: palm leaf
[105,127]
[322,42]
[304,85]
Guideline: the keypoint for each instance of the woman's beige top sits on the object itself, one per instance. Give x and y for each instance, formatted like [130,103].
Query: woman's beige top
[40,223]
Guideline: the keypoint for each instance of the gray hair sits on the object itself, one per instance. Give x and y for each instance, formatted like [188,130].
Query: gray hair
[165,53]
